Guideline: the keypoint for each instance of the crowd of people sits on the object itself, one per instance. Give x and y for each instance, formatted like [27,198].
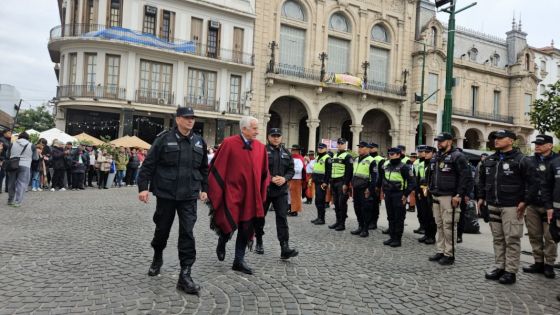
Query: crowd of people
[62,166]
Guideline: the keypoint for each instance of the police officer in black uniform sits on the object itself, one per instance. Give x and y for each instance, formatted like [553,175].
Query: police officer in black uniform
[379,160]
[321,177]
[341,175]
[364,184]
[281,168]
[424,200]
[176,172]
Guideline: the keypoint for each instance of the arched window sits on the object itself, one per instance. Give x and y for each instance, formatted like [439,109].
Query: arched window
[380,34]
[339,23]
[473,54]
[293,10]
[495,60]
[433,37]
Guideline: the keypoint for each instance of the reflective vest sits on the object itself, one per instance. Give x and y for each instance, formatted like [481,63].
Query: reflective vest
[338,166]
[319,167]
[393,178]
[405,159]
[378,159]
[420,170]
[361,168]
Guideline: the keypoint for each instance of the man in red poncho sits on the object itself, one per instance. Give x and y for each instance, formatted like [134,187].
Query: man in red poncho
[237,183]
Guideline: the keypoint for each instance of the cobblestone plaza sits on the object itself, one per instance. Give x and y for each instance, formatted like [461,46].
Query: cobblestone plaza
[89,252]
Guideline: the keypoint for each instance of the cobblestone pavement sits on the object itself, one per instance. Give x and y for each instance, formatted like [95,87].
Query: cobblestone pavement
[89,252]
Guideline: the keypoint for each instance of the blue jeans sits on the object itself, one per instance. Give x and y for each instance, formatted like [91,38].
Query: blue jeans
[35,183]
[120,176]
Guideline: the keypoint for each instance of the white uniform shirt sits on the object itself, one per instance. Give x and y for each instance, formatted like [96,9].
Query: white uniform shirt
[298,168]
[309,167]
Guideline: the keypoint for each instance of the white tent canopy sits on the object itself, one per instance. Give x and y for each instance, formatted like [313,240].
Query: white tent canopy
[58,134]
[32,131]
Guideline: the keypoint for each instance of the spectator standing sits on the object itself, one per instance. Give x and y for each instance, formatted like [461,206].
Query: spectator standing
[5,139]
[37,169]
[80,163]
[19,179]
[104,161]
[132,168]
[92,167]
[58,164]
[121,162]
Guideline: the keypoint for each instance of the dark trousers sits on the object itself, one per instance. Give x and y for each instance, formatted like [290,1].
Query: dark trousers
[58,178]
[362,207]
[2,175]
[340,201]
[91,173]
[375,208]
[163,218]
[427,221]
[102,180]
[130,178]
[78,180]
[320,197]
[280,204]
[462,221]
[396,213]
[69,177]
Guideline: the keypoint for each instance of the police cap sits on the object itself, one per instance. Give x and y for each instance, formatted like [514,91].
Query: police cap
[542,139]
[321,146]
[274,132]
[373,145]
[185,112]
[444,136]
[396,150]
[500,134]
[363,144]
[341,141]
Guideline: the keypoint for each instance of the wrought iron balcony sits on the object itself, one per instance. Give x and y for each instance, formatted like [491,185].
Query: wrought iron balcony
[91,91]
[385,87]
[156,97]
[202,103]
[483,115]
[235,107]
[124,35]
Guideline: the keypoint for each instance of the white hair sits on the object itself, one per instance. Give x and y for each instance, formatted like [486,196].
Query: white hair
[246,121]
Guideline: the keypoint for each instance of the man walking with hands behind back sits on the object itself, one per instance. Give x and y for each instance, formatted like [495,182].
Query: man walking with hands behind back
[176,170]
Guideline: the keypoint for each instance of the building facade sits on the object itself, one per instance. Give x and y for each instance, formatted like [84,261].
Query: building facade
[124,66]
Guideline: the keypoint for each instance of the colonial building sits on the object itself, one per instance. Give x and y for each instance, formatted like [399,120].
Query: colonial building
[495,80]
[331,68]
[123,66]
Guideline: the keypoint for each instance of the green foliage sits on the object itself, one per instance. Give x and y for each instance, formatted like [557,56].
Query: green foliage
[545,113]
[34,137]
[38,118]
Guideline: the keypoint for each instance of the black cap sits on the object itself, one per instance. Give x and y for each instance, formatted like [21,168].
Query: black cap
[429,149]
[274,132]
[402,147]
[321,146]
[69,142]
[413,154]
[444,136]
[363,144]
[341,141]
[296,147]
[373,145]
[394,150]
[542,139]
[421,148]
[185,112]
[505,134]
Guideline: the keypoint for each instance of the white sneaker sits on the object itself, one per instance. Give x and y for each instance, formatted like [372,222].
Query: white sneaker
[39,189]
[62,189]
[34,189]
[52,189]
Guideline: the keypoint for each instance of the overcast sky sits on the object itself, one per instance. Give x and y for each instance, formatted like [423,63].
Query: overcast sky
[25,25]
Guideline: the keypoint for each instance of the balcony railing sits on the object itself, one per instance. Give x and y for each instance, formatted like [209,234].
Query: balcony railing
[483,115]
[93,91]
[314,75]
[201,103]
[98,31]
[156,97]
[234,107]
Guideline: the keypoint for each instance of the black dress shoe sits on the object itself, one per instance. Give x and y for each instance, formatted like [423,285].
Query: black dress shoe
[319,222]
[259,246]
[372,226]
[387,242]
[507,278]
[385,231]
[186,283]
[333,226]
[436,257]
[356,231]
[429,241]
[494,274]
[221,249]
[395,243]
[549,271]
[446,261]
[537,267]
[419,230]
[293,214]
[340,227]
[422,239]
[364,233]
[155,268]
[242,266]
[314,220]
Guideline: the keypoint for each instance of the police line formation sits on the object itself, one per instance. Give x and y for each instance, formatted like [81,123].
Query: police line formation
[246,177]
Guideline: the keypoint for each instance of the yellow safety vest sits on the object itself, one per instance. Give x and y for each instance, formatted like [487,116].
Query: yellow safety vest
[338,166]
[361,168]
[405,159]
[320,165]
[394,177]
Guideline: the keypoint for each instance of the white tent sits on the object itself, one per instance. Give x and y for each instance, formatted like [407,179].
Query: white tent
[58,134]
[32,131]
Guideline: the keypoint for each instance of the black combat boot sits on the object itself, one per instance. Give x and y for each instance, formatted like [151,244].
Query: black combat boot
[356,231]
[549,271]
[537,267]
[259,249]
[340,227]
[315,220]
[320,217]
[157,262]
[507,278]
[422,239]
[372,226]
[319,222]
[446,260]
[186,283]
[419,230]
[396,242]
[494,274]
[287,252]
[364,232]
[387,242]
[221,248]
[334,225]
[436,257]
[429,241]
[241,265]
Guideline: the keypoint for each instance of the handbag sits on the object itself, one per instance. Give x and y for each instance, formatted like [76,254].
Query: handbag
[13,163]
[113,167]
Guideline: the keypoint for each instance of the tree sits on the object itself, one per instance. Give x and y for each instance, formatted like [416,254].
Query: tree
[545,113]
[38,118]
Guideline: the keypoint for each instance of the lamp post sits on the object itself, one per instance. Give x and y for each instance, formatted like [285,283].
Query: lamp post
[421,114]
[448,101]
[323,56]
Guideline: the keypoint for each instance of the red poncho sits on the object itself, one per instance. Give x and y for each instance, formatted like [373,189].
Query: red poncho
[237,184]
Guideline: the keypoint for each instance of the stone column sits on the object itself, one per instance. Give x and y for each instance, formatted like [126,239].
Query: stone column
[312,124]
[394,137]
[356,130]
[460,142]
[483,145]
